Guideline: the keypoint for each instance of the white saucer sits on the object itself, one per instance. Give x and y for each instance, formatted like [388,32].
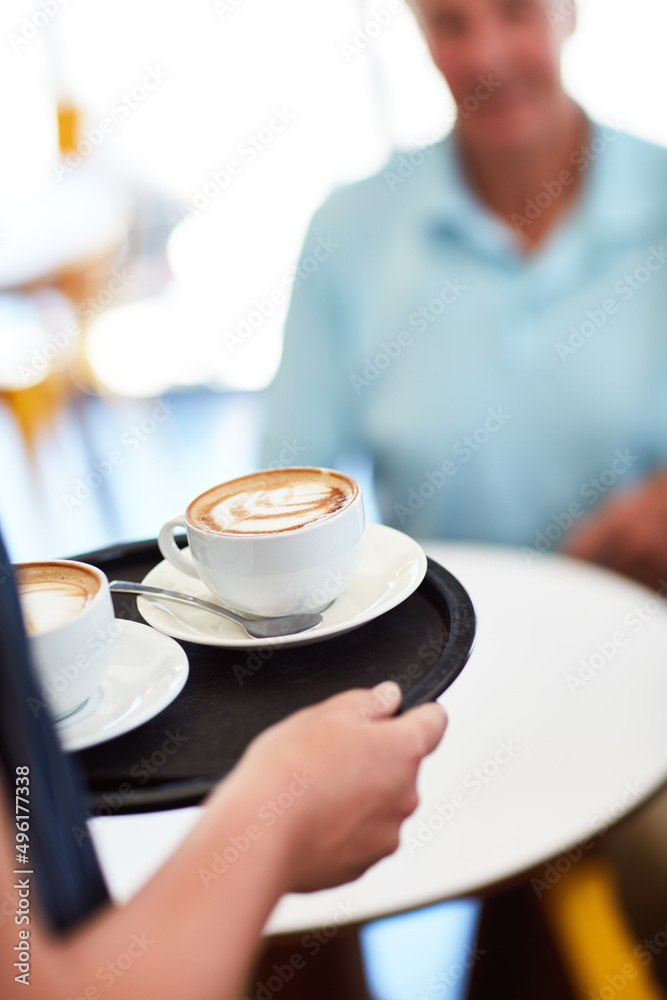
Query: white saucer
[147,671]
[392,567]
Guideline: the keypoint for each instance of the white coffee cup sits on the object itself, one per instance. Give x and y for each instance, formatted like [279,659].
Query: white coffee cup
[272,543]
[69,620]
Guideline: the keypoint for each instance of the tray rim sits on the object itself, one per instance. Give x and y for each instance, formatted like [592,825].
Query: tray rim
[438,583]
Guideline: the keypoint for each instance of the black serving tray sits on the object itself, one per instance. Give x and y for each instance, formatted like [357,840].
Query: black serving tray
[231,695]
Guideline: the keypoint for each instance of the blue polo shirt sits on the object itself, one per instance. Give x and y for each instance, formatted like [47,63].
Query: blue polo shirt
[500,395]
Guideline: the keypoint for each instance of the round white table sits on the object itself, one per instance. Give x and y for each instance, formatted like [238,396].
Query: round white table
[556,730]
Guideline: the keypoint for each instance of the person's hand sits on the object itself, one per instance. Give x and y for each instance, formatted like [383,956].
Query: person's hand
[628,533]
[357,769]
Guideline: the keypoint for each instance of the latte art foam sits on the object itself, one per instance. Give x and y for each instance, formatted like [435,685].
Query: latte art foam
[274,501]
[49,601]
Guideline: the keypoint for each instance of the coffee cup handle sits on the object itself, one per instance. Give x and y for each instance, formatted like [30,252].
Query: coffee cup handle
[171,551]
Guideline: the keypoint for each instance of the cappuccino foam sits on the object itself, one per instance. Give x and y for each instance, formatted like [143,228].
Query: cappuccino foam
[273,501]
[52,595]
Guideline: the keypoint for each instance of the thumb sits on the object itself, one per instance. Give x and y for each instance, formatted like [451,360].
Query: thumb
[429,721]
[383,700]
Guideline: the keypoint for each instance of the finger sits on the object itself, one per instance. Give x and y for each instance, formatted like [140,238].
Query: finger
[594,541]
[616,544]
[589,539]
[429,723]
[639,555]
[598,533]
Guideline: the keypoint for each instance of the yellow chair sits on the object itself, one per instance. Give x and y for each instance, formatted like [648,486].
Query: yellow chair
[592,936]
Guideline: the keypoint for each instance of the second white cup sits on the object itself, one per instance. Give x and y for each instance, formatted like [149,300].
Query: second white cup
[69,619]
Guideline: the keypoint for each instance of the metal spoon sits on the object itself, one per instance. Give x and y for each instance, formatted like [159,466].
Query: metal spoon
[257,628]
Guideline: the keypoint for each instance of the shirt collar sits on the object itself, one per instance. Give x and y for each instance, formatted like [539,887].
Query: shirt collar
[617,202]
[457,210]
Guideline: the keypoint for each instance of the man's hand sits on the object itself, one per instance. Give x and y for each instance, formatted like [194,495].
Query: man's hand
[628,533]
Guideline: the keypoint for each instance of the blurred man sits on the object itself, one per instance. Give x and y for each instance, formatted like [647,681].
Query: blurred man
[491,324]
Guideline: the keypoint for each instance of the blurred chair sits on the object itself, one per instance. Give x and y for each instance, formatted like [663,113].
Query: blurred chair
[63,241]
[572,943]
[39,343]
[590,930]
